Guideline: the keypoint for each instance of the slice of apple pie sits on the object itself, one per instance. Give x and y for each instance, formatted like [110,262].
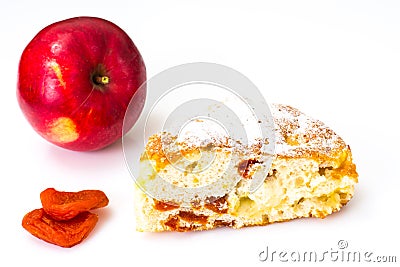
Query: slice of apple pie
[312,175]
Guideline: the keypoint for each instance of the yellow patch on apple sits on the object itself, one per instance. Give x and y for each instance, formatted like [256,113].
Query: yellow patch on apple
[57,70]
[63,130]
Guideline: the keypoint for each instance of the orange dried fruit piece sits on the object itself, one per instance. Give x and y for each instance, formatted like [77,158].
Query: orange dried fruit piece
[66,205]
[61,233]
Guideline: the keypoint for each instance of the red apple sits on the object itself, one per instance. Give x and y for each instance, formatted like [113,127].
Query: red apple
[76,78]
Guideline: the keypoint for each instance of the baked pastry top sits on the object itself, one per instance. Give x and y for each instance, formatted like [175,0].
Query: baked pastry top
[311,175]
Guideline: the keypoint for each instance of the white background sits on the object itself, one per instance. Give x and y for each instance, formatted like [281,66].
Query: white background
[336,61]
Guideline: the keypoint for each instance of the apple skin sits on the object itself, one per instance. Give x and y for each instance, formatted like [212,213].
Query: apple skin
[75,81]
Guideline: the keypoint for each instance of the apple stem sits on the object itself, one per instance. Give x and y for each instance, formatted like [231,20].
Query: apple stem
[101,80]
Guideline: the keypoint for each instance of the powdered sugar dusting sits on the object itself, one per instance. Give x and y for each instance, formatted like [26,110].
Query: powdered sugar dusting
[298,134]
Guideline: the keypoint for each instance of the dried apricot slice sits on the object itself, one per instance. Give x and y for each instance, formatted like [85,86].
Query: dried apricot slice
[61,233]
[66,205]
